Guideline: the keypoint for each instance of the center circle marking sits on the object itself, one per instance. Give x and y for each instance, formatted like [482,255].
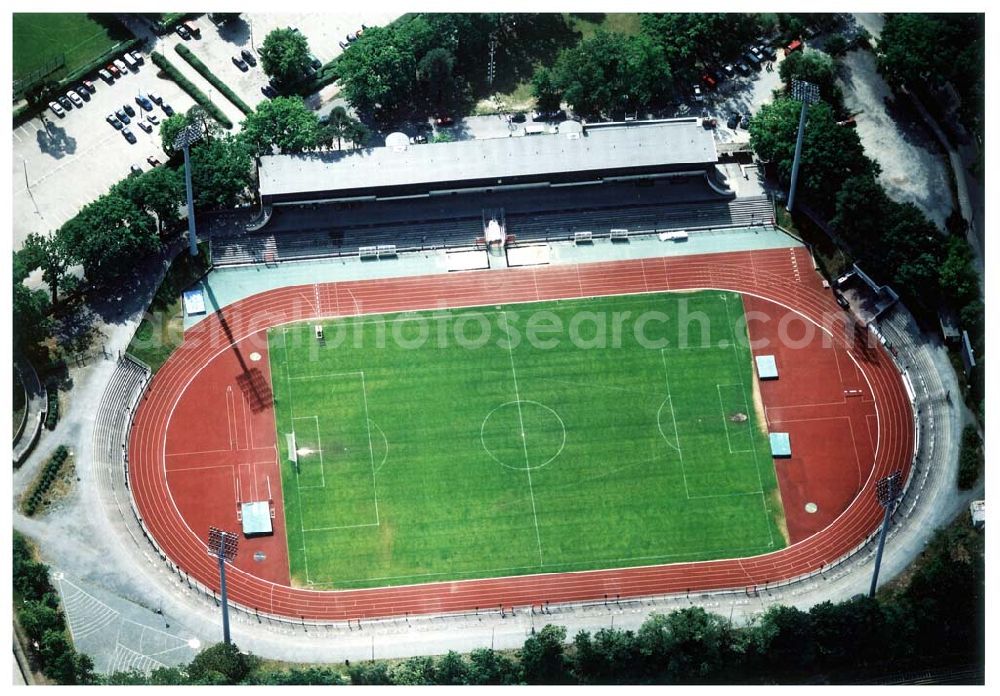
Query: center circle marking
[535,417]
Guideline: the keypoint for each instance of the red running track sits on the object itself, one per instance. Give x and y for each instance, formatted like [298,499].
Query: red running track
[771,274]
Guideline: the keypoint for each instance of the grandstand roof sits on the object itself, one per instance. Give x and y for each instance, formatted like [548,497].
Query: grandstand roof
[602,147]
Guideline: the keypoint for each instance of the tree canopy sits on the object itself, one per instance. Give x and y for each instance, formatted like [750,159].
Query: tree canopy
[815,67]
[283,124]
[221,172]
[612,73]
[284,57]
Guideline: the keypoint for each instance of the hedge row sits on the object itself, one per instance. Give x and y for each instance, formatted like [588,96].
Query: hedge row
[970,459]
[174,74]
[52,416]
[45,480]
[203,70]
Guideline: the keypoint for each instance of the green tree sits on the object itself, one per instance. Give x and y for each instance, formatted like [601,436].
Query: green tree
[378,73]
[909,49]
[108,236]
[603,658]
[335,126]
[222,664]
[370,674]
[836,45]
[284,57]
[690,38]
[416,671]
[488,667]
[159,191]
[221,172]
[831,154]
[435,74]
[814,67]
[30,325]
[543,656]
[613,73]
[38,617]
[958,279]
[788,640]
[451,670]
[41,251]
[285,124]
[548,97]
[306,676]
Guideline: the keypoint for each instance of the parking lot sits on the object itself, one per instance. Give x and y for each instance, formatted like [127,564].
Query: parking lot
[68,162]
[61,164]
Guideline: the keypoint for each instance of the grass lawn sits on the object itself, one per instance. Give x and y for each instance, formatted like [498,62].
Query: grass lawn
[162,330]
[429,447]
[39,37]
[587,24]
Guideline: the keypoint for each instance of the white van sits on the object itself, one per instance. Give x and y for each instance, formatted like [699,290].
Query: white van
[132,63]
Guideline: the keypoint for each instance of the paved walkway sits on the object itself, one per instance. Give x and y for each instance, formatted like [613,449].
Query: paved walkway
[33,409]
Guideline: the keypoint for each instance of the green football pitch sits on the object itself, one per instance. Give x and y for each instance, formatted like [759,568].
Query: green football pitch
[532,438]
[39,37]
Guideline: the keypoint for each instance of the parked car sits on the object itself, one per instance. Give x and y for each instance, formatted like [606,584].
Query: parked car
[128,109]
[768,51]
[182,31]
[122,68]
[193,29]
[137,57]
[519,117]
[143,102]
[315,62]
[65,103]
[114,121]
[793,47]
[238,62]
[153,118]
[743,68]
[848,123]
[729,70]
[717,75]
[144,126]
[154,97]
[745,120]
[269,91]
[82,91]
[122,116]
[696,93]
[351,38]
[88,85]
[131,62]
[752,60]
[733,121]
[708,81]
[444,121]
[152,161]
[342,45]
[249,57]
[167,109]
[106,76]
[75,98]
[135,169]
[418,139]
[113,69]
[559,115]
[57,110]
[129,135]
[756,51]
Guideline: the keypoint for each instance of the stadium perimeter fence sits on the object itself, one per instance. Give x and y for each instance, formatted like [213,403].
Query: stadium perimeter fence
[906,357]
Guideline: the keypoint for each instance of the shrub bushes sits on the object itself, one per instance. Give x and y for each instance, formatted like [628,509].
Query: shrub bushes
[174,74]
[52,416]
[970,459]
[44,481]
[203,70]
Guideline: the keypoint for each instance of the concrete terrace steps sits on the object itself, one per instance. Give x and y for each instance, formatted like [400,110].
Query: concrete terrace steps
[114,411]
[285,245]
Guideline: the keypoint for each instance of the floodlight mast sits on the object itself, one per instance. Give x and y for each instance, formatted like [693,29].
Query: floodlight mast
[807,93]
[887,490]
[187,136]
[223,545]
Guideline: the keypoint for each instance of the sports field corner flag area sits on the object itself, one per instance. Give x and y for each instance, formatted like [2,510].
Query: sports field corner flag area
[435,446]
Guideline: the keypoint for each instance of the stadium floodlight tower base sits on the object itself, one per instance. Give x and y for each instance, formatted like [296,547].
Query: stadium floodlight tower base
[807,93]
[188,135]
[223,545]
[887,490]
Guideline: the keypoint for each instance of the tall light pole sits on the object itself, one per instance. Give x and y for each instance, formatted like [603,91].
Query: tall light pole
[188,135]
[887,490]
[807,93]
[222,545]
